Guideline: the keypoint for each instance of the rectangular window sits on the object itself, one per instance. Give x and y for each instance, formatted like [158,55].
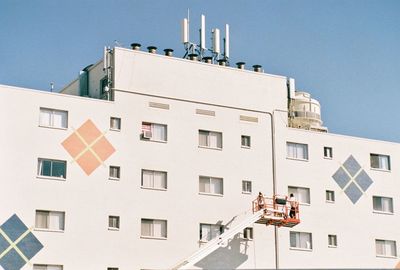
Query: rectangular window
[52,168]
[154,132]
[386,248]
[248,233]
[297,150]
[154,179]
[330,196]
[210,139]
[154,228]
[381,162]
[115,123]
[113,222]
[246,186]
[211,185]
[112,268]
[50,220]
[210,231]
[53,118]
[47,267]
[246,141]
[332,240]
[382,204]
[114,172]
[328,152]
[301,240]
[301,194]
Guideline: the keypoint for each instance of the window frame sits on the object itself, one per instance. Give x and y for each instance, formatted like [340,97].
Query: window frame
[298,197]
[332,241]
[381,203]
[118,121]
[212,227]
[245,141]
[300,234]
[295,157]
[40,169]
[248,233]
[111,169]
[162,221]
[380,167]
[49,226]
[45,266]
[210,178]
[327,192]
[153,173]
[51,124]
[219,136]
[328,152]
[111,219]
[245,186]
[152,138]
[385,242]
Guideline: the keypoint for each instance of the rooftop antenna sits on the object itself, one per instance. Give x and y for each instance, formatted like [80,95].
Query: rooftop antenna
[226,43]
[51,87]
[216,43]
[202,35]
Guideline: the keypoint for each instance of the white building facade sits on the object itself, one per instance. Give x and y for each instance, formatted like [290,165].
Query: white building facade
[173,156]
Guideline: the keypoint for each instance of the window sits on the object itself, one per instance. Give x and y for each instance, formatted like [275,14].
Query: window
[328,152]
[248,233]
[210,231]
[115,123]
[52,168]
[112,268]
[382,204]
[246,186]
[332,240]
[301,240]
[115,172]
[302,195]
[113,222]
[386,248]
[154,132]
[246,141]
[210,139]
[381,162]
[47,267]
[154,228]
[297,150]
[330,196]
[49,220]
[154,179]
[211,185]
[53,118]
[104,87]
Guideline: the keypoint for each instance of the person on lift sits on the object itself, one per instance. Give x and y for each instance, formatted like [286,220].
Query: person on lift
[293,205]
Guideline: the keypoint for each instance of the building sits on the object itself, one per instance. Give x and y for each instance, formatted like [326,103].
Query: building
[145,157]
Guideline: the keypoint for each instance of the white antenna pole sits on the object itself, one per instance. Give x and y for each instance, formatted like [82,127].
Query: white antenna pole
[203,33]
[216,41]
[188,24]
[185,31]
[226,43]
[105,58]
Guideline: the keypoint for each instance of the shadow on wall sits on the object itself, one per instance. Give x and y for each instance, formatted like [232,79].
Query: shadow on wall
[229,257]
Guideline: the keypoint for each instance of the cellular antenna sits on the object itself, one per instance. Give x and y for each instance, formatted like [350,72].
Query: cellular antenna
[185,31]
[216,41]
[226,42]
[203,33]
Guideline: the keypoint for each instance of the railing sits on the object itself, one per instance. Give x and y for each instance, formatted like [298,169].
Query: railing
[278,205]
[307,115]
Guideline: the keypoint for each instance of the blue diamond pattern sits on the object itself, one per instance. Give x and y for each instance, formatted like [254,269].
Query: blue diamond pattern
[341,177]
[353,192]
[351,165]
[363,180]
[29,245]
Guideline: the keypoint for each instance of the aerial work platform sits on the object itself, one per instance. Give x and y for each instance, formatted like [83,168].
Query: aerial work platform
[277,211]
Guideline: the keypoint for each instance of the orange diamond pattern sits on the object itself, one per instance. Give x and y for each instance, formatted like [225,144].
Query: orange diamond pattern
[88,146]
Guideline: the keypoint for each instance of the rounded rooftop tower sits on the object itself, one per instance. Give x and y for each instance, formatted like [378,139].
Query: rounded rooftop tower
[305,112]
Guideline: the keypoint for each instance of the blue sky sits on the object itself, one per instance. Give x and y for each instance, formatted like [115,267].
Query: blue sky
[345,53]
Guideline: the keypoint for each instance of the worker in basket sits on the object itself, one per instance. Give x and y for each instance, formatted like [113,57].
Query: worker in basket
[260,201]
[293,206]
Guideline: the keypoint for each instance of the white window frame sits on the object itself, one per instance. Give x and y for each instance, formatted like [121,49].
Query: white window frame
[296,192]
[152,223]
[212,181]
[248,233]
[247,187]
[48,267]
[115,123]
[328,152]
[386,204]
[383,162]
[293,151]
[208,142]
[385,245]
[214,230]
[51,120]
[153,173]
[50,220]
[301,240]
[52,161]
[245,141]
[330,196]
[152,127]
[114,223]
[332,240]
[114,173]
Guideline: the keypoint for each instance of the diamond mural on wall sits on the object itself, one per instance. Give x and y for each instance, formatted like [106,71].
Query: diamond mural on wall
[17,244]
[352,179]
[88,146]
